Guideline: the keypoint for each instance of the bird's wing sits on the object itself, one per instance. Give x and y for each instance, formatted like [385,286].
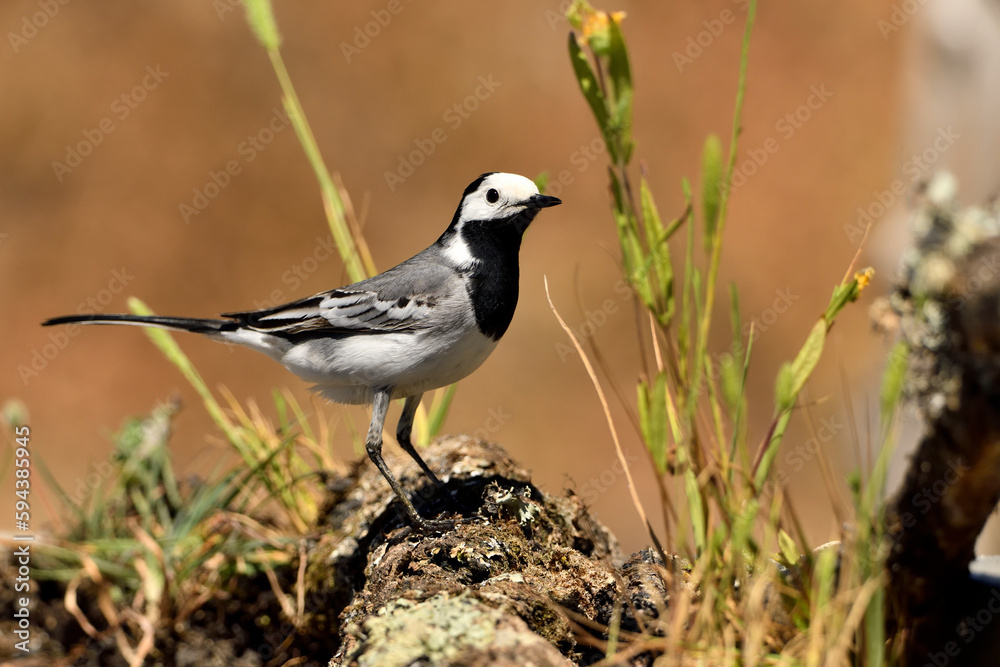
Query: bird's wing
[404,298]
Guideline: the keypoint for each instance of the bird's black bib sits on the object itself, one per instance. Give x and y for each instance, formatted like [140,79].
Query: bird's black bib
[493,284]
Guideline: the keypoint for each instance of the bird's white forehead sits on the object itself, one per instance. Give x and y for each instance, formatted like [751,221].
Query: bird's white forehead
[514,187]
[513,191]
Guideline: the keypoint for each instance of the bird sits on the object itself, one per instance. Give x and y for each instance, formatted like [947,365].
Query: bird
[423,324]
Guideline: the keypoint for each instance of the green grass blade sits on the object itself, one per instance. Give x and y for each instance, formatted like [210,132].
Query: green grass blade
[353,250]
[659,262]
[620,74]
[439,410]
[770,450]
[711,187]
[704,323]
[794,378]
[542,181]
[847,292]
[652,405]
[893,379]
[589,86]
[696,505]
[260,16]
[172,351]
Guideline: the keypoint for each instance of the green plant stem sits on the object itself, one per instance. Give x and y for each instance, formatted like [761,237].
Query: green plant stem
[358,264]
[701,345]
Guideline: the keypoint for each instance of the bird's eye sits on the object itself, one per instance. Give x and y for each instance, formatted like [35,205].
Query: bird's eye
[492,196]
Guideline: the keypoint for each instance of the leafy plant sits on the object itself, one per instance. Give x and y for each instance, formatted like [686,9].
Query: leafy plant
[694,424]
[144,549]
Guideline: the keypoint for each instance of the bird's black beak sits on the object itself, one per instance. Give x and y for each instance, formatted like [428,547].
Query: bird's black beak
[543,201]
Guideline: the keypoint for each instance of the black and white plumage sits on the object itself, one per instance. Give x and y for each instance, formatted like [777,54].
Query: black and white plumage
[421,325]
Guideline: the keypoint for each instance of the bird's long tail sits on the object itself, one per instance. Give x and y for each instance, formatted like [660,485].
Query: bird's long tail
[193,324]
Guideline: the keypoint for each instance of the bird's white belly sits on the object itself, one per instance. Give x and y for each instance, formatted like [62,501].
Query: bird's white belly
[347,369]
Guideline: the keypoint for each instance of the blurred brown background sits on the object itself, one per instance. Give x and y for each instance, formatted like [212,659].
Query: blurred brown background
[197,88]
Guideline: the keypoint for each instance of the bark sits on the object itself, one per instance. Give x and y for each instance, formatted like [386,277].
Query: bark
[949,312]
[519,584]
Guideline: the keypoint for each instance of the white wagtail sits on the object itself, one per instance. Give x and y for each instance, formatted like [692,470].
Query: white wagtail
[421,325]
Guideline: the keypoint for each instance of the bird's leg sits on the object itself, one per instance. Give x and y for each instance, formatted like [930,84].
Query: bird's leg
[373,443]
[403,430]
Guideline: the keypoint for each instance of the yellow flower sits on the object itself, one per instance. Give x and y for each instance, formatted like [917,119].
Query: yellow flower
[595,28]
[597,22]
[864,277]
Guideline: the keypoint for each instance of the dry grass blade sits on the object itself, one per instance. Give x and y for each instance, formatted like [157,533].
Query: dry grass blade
[250,527]
[150,584]
[584,623]
[283,598]
[300,584]
[840,654]
[280,650]
[89,569]
[146,644]
[611,422]
[69,601]
[153,547]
